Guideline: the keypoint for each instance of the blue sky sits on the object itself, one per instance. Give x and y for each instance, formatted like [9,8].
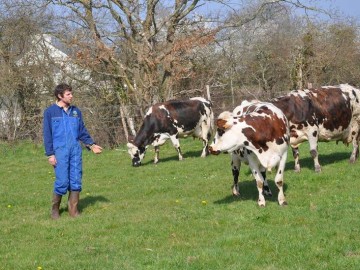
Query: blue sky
[347,8]
[344,8]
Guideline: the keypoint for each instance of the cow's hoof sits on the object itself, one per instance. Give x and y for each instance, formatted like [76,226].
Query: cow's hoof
[283,204]
[235,190]
[261,203]
[317,169]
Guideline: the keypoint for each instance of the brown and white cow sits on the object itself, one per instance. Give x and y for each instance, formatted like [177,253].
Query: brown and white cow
[258,134]
[171,120]
[324,114]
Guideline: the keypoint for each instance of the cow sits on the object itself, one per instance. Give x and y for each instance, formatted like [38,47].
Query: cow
[172,120]
[256,133]
[324,114]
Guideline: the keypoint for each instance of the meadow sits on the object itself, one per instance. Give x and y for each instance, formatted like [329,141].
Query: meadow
[179,214]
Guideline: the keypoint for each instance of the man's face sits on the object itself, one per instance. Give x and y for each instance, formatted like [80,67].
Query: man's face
[67,98]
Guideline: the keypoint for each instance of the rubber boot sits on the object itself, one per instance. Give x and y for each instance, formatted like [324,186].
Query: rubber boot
[73,203]
[55,209]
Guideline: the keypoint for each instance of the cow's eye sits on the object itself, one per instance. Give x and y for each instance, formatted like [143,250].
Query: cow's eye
[220,131]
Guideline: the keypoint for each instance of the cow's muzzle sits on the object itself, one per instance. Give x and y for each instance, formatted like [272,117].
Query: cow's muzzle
[136,163]
[214,152]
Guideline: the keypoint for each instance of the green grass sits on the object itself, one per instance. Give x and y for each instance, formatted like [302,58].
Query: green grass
[179,215]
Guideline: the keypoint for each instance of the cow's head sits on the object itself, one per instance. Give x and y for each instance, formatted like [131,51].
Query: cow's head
[136,153]
[222,140]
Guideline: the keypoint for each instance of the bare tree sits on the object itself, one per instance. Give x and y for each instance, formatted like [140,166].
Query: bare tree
[276,51]
[22,76]
[142,45]
[124,55]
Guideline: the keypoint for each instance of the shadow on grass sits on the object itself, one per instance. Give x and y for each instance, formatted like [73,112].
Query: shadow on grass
[305,162]
[175,157]
[248,191]
[86,202]
[324,159]
[90,200]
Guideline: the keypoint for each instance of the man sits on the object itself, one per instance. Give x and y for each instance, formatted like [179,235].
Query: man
[63,130]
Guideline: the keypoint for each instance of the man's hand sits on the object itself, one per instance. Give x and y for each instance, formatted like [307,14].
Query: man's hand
[96,149]
[52,160]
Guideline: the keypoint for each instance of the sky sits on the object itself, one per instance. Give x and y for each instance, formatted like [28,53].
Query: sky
[346,7]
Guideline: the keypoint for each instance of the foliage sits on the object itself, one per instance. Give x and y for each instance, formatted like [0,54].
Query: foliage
[143,46]
[24,74]
[123,56]
[179,215]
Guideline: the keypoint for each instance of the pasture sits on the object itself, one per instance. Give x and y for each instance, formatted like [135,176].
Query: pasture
[179,214]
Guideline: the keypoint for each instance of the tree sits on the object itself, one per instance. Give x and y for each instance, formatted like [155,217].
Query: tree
[124,55]
[22,77]
[339,55]
[138,44]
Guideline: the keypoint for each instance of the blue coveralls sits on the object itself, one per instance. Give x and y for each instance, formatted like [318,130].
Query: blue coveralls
[63,131]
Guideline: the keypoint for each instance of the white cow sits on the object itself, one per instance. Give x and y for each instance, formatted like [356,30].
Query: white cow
[258,134]
[329,113]
[171,120]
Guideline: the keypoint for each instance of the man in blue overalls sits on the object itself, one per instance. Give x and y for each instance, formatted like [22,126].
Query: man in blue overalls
[63,130]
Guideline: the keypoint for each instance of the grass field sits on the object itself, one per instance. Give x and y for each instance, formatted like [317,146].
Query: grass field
[179,215]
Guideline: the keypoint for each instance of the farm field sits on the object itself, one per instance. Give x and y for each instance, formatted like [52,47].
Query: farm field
[179,214]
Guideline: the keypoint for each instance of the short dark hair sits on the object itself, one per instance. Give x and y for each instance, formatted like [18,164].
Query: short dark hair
[60,90]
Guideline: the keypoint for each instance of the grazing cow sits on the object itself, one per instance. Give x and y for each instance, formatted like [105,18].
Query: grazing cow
[171,120]
[324,114]
[258,134]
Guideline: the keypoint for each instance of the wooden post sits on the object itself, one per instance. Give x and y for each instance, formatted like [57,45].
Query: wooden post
[208,92]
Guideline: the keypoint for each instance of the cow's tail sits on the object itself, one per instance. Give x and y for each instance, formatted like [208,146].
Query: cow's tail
[212,126]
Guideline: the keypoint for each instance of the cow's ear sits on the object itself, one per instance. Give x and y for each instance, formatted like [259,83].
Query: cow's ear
[130,145]
[223,124]
[224,120]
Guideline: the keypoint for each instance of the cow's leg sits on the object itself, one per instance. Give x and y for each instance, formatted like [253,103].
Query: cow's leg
[175,141]
[315,155]
[279,180]
[160,140]
[205,150]
[157,150]
[296,155]
[355,136]
[355,152]
[205,136]
[313,142]
[267,190]
[254,166]
[235,167]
